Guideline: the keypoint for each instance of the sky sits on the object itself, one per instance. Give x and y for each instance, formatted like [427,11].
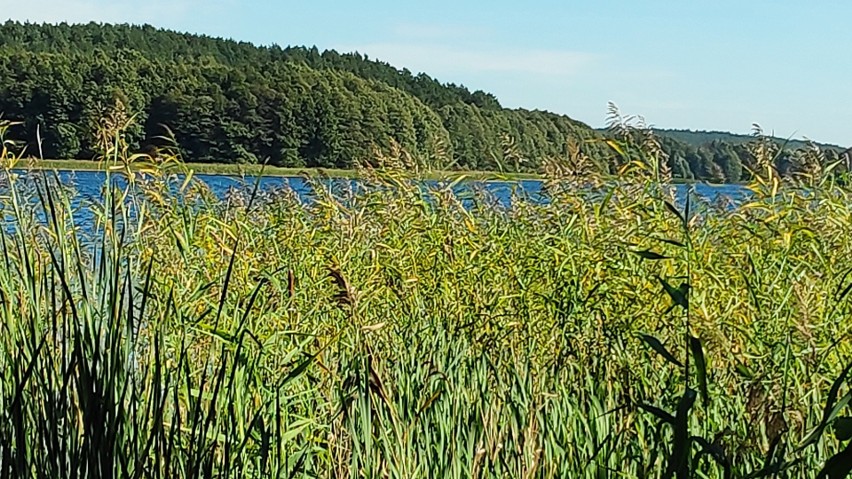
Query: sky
[691,64]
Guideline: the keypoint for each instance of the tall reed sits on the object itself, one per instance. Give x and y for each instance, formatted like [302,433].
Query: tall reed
[398,330]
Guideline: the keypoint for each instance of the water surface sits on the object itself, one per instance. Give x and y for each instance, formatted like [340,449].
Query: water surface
[88,188]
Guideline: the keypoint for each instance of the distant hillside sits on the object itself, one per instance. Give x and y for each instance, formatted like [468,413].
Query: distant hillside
[226,101]
[230,101]
[700,137]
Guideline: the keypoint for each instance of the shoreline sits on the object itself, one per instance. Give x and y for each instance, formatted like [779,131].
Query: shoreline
[239,170]
[273,171]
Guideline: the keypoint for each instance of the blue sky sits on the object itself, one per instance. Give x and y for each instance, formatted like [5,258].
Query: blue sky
[719,65]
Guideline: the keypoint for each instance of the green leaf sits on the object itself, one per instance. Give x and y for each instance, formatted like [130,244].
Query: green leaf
[615,146]
[657,346]
[300,463]
[700,368]
[744,371]
[674,211]
[681,443]
[843,428]
[605,202]
[831,409]
[679,295]
[714,451]
[303,366]
[671,242]
[752,292]
[429,401]
[298,370]
[661,414]
[838,466]
[649,255]
[603,444]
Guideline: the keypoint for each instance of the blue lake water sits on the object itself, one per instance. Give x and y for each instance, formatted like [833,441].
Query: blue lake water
[88,187]
[90,183]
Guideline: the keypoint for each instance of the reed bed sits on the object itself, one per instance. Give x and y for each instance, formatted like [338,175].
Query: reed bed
[399,331]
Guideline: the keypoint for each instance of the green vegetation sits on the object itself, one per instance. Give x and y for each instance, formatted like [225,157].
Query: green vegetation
[725,156]
[235,103]
[242,169]
[699,138]
[610,332]
[223,101]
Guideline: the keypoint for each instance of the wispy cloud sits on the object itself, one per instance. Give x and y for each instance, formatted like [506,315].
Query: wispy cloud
[445,59]
[423,31]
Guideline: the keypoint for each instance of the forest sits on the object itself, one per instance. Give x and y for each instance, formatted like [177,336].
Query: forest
[611,325]
[223,101]
[702,137]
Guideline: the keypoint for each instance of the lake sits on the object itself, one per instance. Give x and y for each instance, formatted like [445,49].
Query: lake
[89,184]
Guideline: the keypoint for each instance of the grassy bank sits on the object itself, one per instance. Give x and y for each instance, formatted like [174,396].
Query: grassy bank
[251,170]
[379,333]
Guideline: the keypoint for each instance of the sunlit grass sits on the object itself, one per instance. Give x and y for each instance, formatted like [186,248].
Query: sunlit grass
[397,332]
[236,169]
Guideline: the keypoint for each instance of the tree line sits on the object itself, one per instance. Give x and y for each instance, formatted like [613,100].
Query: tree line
[228,102]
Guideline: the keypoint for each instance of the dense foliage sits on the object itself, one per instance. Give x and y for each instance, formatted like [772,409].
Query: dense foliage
[233,102]
[707,150]
[381,332]
[226,101]
[703,137]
